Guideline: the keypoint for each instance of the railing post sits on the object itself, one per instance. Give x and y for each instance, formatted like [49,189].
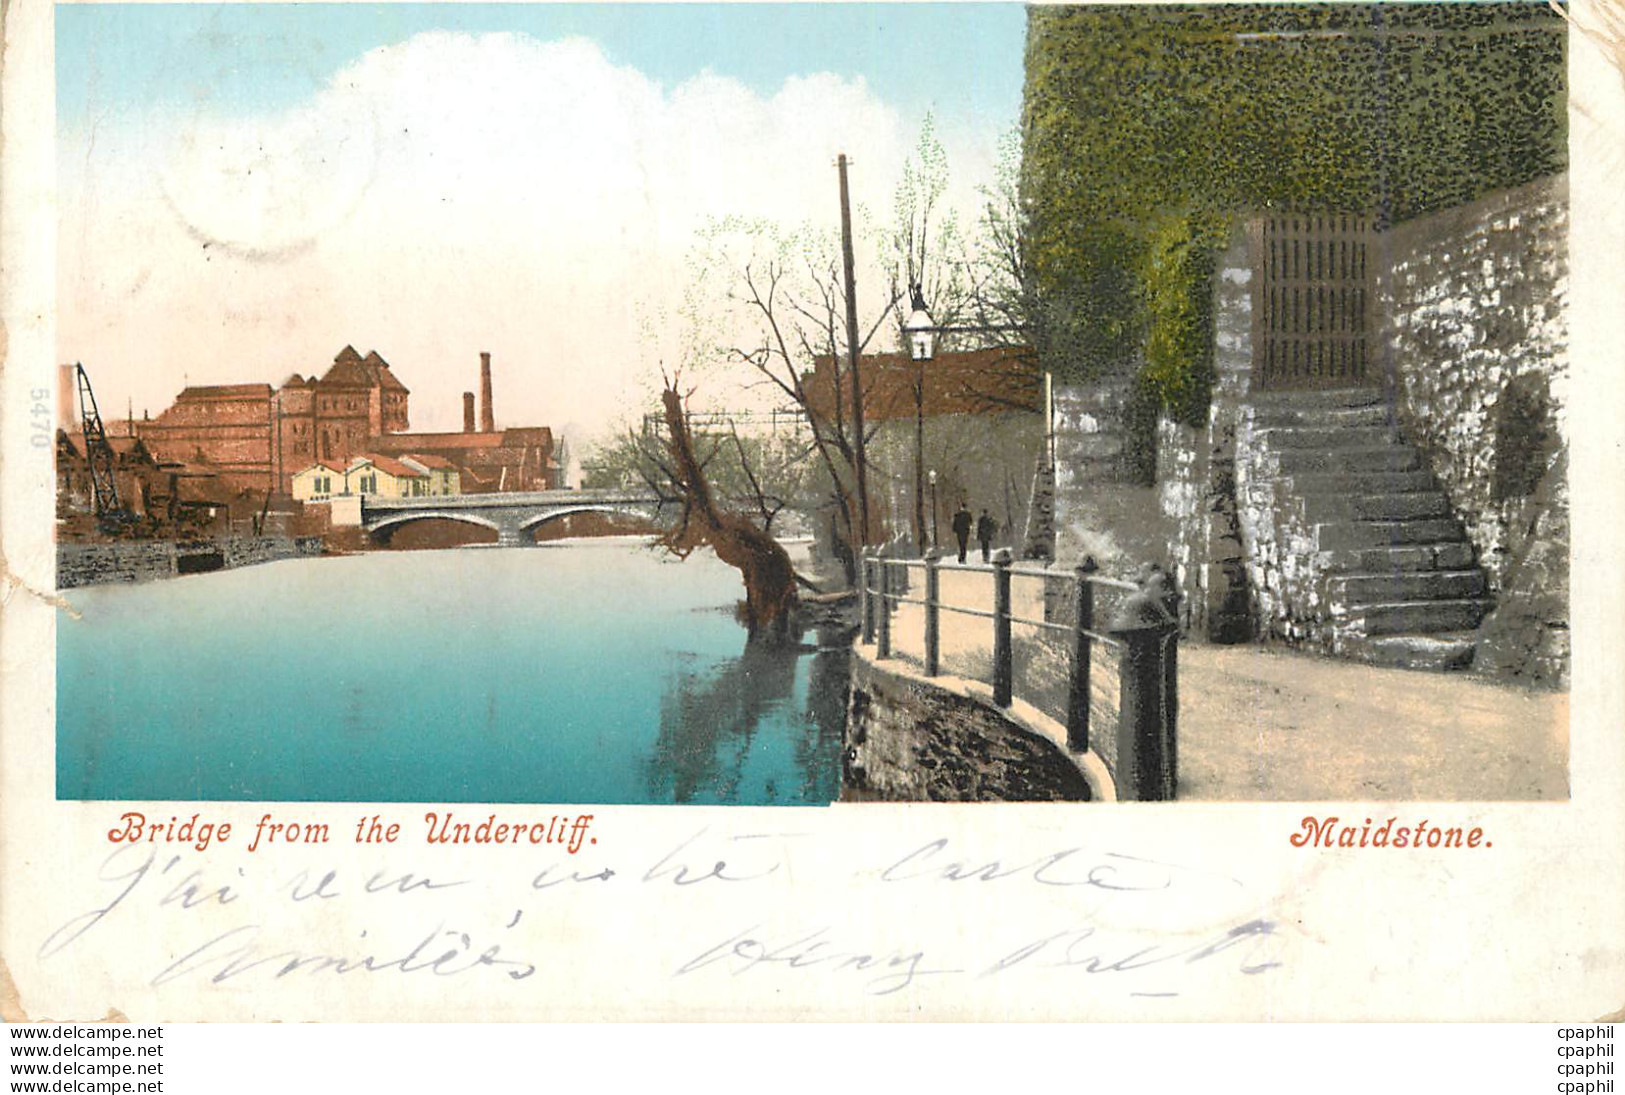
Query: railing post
[866,582]
[883,614]
[1077,707]
[1148,625]
[1141,761]
[933,616]
[1002,668]
[1170,706]
[1170,687]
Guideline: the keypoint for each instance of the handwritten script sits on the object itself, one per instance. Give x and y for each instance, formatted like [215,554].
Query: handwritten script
[1145,924]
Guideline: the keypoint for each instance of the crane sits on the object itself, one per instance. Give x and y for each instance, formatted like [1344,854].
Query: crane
[98,454]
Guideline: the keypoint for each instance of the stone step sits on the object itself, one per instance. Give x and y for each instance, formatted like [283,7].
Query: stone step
[1375,507]
[1454,554]
[1416,617]
[1363,534]
[1335,438]
[1406,585]
[1362,482]
[1439,653]
[1379,458]
[1377,414]
[1318,397]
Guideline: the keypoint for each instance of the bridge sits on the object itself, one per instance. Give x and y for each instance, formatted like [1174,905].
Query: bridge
[513,515]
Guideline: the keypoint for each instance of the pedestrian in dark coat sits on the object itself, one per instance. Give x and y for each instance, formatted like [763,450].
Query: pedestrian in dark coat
[985,528]
[962,523]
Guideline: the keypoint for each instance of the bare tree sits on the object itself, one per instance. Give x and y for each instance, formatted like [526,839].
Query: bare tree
[762,477]
[788,299]
[702,521]
[784,320]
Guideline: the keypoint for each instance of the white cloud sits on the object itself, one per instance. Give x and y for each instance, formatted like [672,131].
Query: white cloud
[445,196]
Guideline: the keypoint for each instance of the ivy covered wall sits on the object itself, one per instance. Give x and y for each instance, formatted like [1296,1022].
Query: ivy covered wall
[1148,130]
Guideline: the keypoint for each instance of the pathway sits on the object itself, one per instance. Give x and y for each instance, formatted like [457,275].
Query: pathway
[1269,724]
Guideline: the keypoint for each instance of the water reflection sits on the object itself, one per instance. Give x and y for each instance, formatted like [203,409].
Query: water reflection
[818,756]
[708,748]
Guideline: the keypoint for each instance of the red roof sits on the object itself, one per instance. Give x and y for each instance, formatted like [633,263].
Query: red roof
[391,465]
[399,444]
[224,391]
[429,461]
[330,465]
[534,436]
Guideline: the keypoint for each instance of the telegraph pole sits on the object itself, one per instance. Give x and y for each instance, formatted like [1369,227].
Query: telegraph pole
[852,354]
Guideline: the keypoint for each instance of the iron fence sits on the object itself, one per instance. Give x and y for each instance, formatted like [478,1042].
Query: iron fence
[1142,633]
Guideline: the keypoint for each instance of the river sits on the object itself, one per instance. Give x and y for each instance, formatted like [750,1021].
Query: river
[579,671]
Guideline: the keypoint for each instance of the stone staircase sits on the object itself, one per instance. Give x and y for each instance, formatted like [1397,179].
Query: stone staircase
[1395,572]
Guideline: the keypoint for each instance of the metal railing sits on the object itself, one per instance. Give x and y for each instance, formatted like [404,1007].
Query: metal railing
[1143,631]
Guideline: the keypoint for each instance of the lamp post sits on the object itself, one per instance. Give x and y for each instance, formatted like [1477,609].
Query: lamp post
[920,332]
[936,537]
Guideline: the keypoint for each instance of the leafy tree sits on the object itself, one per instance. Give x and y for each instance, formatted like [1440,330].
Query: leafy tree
[783,298]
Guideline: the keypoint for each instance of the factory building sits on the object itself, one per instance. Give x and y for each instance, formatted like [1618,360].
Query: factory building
[257,438]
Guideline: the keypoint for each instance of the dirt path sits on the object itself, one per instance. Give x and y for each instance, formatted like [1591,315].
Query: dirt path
[1264,725]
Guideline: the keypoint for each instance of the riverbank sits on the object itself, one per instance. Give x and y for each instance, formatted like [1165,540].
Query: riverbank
[79,564]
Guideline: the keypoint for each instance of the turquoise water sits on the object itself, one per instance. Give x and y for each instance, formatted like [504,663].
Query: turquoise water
[592,672]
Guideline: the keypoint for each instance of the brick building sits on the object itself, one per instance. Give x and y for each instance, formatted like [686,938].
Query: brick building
[973,419]
[258,437]
[895,386]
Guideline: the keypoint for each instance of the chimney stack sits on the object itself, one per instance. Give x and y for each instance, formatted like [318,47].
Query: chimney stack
[468,412]
[67,398]
[488,417]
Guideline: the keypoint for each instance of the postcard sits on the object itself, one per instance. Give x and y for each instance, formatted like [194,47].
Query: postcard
[887,511]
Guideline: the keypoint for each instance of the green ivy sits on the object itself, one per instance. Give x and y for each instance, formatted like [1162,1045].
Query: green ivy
[1149,129]
[1177,280]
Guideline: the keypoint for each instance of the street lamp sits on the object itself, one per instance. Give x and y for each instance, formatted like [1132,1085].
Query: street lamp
[936,537]
[920,332]
[921,329]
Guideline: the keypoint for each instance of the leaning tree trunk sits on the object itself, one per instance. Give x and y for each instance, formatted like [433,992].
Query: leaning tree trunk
[770,579]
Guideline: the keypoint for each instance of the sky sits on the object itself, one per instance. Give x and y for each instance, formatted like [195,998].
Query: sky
[245,189]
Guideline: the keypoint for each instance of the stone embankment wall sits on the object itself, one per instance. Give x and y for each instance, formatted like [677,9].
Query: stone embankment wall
[146,560]
[911,742]
[1475,306]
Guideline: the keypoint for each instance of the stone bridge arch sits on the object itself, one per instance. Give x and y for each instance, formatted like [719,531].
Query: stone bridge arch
[382,529]
[513,516]
[536,520]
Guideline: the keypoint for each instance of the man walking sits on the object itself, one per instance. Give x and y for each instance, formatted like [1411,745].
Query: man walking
[985,527]
[962,524]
